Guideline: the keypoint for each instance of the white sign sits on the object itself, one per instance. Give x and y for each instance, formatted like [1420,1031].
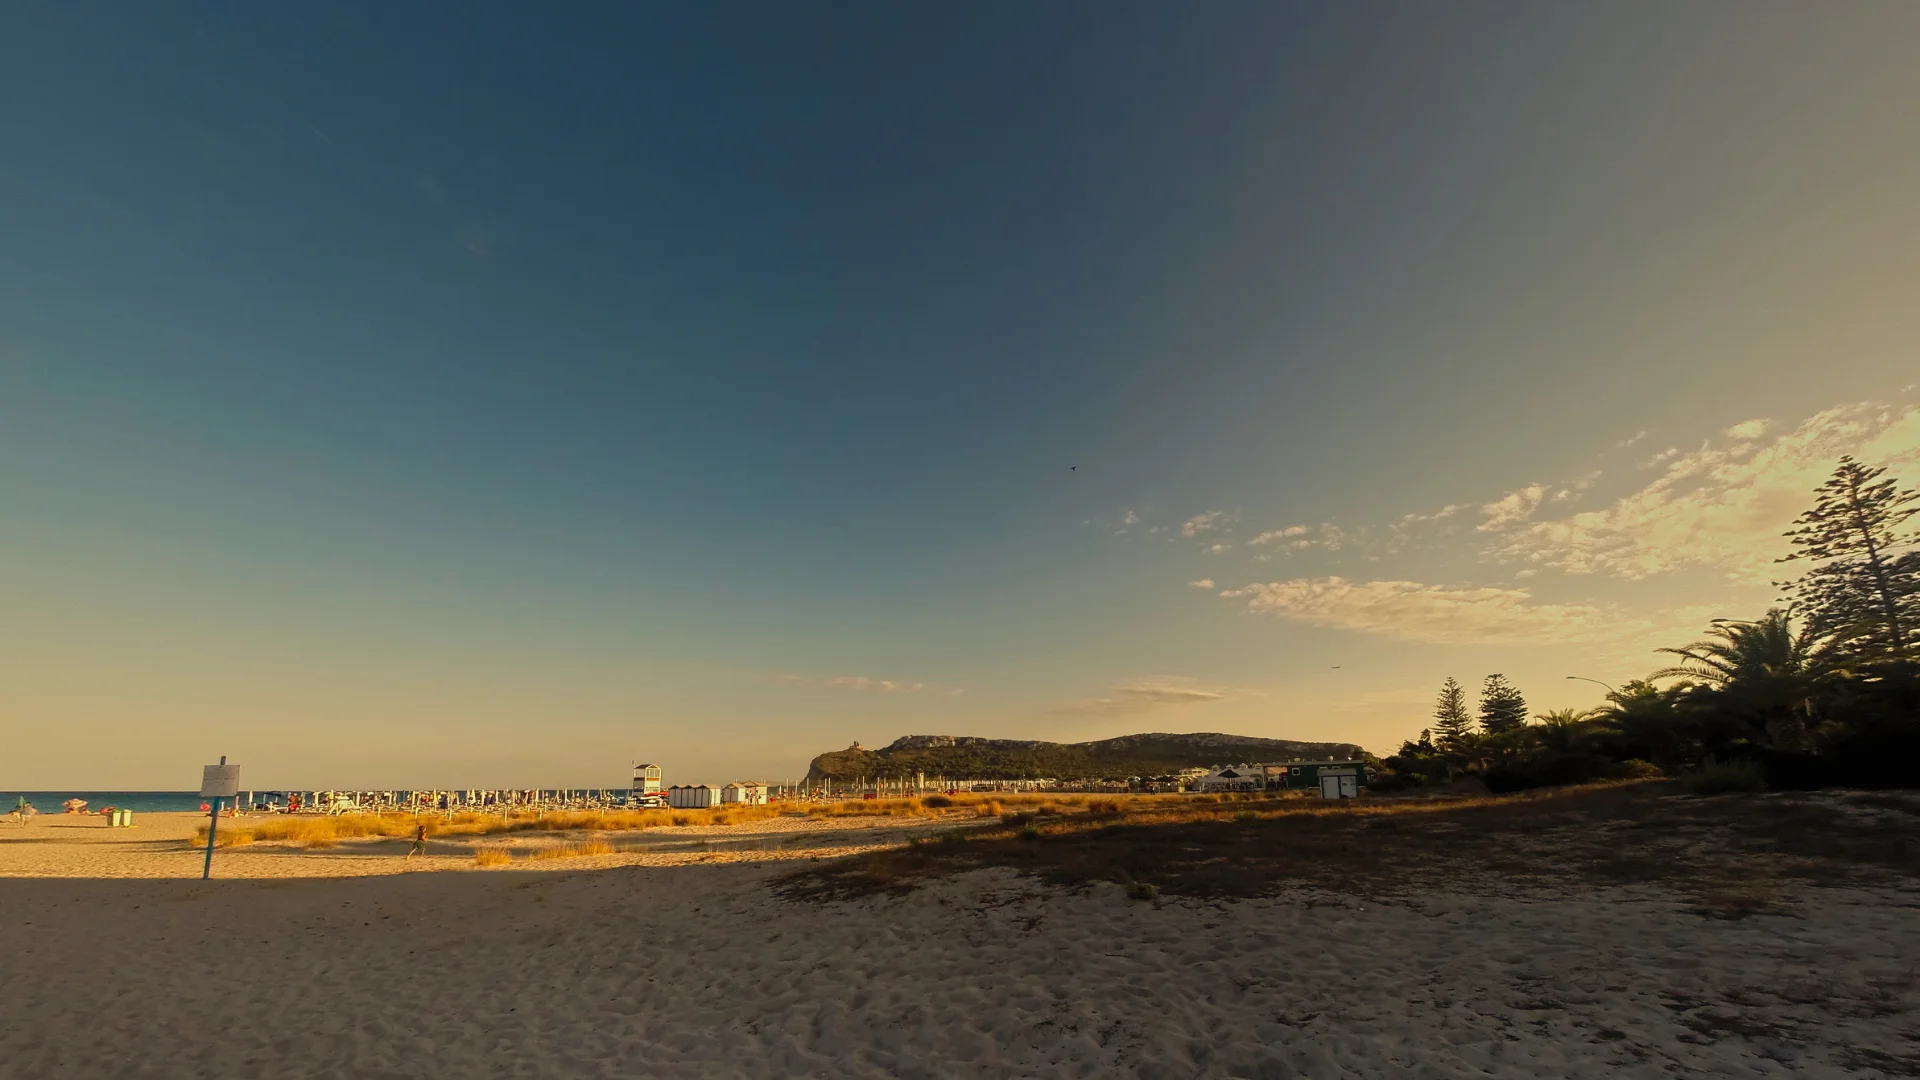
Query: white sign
[220,782]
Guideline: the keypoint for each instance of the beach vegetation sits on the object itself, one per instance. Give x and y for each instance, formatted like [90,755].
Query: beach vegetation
[1577,837]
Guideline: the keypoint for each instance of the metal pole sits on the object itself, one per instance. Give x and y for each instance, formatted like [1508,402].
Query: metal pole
[213,823]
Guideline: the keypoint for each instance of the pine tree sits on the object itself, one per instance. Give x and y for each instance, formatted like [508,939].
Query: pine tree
[1502,709]
[1863,590]
[1452,724]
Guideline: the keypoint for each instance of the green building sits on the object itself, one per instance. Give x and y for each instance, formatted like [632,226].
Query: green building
[1332,779]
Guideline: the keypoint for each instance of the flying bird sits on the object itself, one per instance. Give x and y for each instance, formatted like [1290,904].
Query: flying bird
[1073,468]
[1336,667]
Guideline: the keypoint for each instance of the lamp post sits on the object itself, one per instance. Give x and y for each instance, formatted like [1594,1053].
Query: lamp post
[1596,682]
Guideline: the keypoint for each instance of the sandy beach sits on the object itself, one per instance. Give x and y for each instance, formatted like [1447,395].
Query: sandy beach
[344,966]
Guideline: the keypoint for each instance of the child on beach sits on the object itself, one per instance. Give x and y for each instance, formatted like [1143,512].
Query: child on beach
[419,842]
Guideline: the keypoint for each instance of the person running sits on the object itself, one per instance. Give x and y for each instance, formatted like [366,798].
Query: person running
[419,841]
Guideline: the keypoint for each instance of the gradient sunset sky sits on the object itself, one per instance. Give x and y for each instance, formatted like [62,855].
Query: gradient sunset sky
[485,394]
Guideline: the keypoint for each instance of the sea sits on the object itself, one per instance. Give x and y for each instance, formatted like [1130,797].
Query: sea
[149,802]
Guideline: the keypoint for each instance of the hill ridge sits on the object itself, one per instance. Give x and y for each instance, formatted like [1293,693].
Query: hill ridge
[978,758]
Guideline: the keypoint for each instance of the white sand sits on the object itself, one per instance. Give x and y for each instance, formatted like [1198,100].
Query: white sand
[639,971]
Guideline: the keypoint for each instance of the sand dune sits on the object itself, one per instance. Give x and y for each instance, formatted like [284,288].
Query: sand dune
[663,970]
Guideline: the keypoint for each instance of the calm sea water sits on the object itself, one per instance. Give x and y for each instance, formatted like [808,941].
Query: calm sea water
[150,802]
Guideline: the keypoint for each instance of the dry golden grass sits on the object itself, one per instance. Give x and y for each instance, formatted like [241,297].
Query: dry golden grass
[573,851]
[307,830]
[319,832]
[491,857]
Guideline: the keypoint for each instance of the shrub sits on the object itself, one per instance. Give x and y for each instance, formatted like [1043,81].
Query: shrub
[1635,769]
[1554,771]
[1030,833]
[936,802]
[1717,777]
[491,857]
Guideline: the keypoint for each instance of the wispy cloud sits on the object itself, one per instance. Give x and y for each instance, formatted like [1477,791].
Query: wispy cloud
[1146,695]
[1274,536]
[1413,611]
[1513,507]
[862,683]
[1203,583]
[1200,523]
[1722,506]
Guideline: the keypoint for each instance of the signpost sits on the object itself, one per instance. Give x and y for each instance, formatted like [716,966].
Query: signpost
[217,782]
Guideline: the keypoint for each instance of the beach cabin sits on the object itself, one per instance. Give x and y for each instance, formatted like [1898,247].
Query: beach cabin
[1332,779]
[646,780]
[693,796]
[745,792]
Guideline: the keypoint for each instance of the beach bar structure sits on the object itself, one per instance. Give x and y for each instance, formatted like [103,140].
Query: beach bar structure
[745,792]
[693,796]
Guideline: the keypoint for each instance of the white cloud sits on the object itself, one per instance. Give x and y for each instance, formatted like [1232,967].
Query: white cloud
[1146,695]
[1200,523]
[1217,549]
[1441,514]
[1449,614]
[1129,517]
[1723,506]
[1631,439]
[1287,533]
[1513,507]
[1203,583]
[853,682]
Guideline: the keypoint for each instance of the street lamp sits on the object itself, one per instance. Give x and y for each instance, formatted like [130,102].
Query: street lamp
[1596,682]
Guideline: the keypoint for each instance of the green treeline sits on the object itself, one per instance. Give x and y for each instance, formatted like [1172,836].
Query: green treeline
[1822,690]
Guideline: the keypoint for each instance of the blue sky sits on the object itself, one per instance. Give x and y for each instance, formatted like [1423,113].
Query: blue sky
[445,395]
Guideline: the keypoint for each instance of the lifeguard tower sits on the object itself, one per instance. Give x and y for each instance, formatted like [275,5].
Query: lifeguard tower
[646,780]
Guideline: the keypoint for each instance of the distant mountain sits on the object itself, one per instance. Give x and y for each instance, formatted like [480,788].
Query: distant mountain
[962,757]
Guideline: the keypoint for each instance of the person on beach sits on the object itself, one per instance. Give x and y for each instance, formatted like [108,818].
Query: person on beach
[419,842]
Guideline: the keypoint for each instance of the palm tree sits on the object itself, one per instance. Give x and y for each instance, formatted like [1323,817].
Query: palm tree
[1655,723]
[1764,669]
[1565,730]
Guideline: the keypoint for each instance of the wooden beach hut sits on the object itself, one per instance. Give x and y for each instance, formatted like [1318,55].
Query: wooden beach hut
[693,796]
[744,792]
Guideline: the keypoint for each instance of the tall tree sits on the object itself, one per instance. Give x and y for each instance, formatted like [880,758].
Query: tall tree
[1452,723]
[1863,589]
[1502,709]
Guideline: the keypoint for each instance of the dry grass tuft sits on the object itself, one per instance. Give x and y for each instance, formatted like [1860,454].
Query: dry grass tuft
[573,851]
[491,857]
